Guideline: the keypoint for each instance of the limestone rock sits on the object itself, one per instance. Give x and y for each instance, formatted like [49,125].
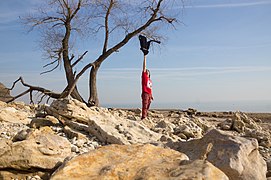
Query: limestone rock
[268,162]
[198,169]
[136,162]
[237,157]
[41,122]
[102,124]
[40,150]
[15,113]
[18,175]
[9,130]
[187,129]
[21,135]
[4,93]
[246,126]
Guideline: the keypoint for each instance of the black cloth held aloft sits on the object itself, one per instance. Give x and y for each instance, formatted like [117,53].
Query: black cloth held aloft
[145,45]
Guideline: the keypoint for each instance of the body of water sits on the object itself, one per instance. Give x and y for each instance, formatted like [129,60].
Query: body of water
[244,106]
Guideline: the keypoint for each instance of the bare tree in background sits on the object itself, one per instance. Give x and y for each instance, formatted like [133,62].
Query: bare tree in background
[62,21]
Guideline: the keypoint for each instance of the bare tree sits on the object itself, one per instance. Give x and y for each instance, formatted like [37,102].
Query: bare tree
[60,21]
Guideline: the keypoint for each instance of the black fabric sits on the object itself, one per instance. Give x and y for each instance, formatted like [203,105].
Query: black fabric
[145,45]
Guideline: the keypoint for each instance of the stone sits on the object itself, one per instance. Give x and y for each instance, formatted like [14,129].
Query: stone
[40,150]
[162,124]
[191,111]
[188,129]
[268,162]
[237,157]
[198,169]
[73,133]
[18,175]
[16,113]
[136,161]
[138,111]
[21,135]
[41,122]
[9,130]
[4,93]
[226,125]
[247,127]
[102,124]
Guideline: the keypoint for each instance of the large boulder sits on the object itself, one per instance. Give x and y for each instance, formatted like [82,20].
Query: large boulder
[37,150]
[4,93]
[102,124]
[16,112]
[237,157]
[136,162]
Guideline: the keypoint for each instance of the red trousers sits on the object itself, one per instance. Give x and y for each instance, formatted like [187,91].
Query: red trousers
[146,101]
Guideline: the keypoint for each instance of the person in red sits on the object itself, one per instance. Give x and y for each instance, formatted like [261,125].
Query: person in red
[146,89]
[146,77]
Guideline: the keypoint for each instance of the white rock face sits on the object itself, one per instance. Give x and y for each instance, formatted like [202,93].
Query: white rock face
[237,157]
[41,149]
[102,124]
[15,113]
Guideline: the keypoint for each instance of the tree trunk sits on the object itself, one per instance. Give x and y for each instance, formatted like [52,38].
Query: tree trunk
[93,93]
[67,64]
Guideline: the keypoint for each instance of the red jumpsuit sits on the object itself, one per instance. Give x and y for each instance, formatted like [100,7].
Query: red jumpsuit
[146,94]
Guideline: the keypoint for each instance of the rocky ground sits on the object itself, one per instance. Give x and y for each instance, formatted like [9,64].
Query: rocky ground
[67,140]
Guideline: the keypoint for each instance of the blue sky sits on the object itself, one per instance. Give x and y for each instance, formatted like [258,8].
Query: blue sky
[220,53]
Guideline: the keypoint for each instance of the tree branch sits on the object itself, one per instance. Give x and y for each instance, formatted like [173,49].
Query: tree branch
[151,20]
[79,59]
[45,20]
[77,9]
[106,25]
[50,63]
[52,68]
[31,89]
[20,95]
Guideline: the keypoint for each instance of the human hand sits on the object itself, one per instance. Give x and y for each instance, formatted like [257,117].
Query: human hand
[145,51]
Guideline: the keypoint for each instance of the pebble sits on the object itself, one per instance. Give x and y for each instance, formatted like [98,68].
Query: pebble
[80,142]
[75,149]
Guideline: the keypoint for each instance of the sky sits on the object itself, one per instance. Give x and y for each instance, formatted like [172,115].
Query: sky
[217,58]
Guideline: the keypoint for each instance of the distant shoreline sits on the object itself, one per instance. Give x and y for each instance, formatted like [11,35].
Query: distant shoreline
[244,106]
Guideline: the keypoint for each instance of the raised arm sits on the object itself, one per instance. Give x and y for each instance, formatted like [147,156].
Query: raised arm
[144,63]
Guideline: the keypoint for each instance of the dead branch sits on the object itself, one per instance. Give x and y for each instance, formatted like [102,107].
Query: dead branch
[30,90]
[52,68]
[50,63]
[23,93]
[79,59]
[106,25]
[72,58]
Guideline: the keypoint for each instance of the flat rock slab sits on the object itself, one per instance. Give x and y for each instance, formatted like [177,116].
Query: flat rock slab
[136,161]
[40,150]
[102,124]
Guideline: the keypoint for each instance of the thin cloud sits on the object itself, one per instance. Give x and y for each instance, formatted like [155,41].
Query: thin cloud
[201,71]
[133,73]
[217,47]
[11,11]
[230,5]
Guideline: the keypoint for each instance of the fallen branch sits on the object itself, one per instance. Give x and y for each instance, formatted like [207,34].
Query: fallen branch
[31,88]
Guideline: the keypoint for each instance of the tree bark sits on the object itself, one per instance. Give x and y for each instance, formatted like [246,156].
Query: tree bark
[67,63]
[93,93]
